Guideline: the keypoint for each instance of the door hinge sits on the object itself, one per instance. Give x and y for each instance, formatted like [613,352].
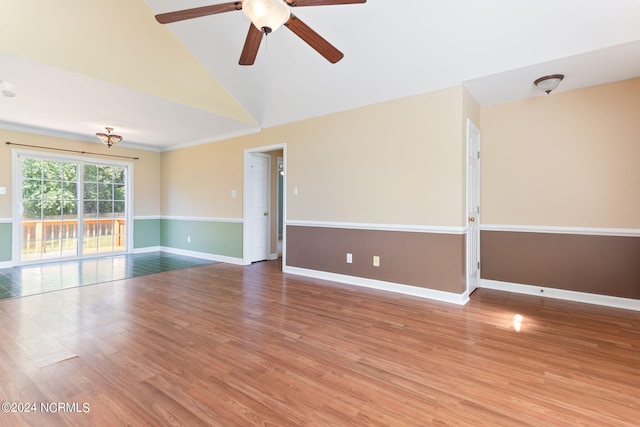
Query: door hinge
[478,265]
[478,154]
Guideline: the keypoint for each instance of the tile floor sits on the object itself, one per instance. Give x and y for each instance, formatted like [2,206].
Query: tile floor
[40,278]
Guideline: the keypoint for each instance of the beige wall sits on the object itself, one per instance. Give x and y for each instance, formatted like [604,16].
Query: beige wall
[566,159]
[146,169]
[5,174]
[396,162]
[470,109]
[400,162]
[197,181]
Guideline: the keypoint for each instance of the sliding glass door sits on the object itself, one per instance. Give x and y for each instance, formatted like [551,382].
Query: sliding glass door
[71,208]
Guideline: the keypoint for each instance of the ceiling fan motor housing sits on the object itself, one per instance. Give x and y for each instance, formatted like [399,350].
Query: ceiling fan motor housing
[266,15]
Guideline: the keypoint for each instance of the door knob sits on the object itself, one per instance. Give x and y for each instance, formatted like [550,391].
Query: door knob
[472,219]
[266,214]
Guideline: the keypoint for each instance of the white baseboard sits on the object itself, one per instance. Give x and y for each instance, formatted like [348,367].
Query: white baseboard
[148,249]
[449,297]
[541,291]
[273,256]
[203,255]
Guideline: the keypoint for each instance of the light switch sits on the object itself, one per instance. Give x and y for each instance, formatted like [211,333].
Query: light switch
[295,191]
[234,193]
[3,190]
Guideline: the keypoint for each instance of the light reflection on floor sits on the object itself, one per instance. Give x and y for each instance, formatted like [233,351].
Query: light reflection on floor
[517,322]
[47,277]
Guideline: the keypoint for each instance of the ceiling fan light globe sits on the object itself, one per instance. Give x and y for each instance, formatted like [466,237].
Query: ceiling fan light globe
[266,14]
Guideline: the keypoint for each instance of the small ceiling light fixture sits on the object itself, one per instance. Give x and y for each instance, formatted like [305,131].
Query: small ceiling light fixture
[108,138]
[266,15]
[5,88]
[549,83]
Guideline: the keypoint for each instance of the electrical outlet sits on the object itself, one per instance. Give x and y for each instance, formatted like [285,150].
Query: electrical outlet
[376,261]
[188,239]
[349,258]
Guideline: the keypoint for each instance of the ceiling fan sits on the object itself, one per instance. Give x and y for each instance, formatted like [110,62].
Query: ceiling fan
[266,16]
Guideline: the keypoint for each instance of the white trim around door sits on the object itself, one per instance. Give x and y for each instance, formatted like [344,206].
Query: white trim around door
[247,197]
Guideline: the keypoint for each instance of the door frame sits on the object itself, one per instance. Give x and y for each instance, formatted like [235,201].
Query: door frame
[471,285]
[247,195]
[16,171]
[279,201]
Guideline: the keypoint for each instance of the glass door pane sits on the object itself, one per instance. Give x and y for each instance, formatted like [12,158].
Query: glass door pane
[104,208]
[49,202]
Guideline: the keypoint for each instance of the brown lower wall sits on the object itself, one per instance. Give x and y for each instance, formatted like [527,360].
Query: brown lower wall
[427,260]
[604,265]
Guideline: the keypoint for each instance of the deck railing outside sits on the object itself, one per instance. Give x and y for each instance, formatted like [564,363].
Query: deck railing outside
[60,237]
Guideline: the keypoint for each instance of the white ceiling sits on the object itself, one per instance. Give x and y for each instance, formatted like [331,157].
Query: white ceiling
[393,49]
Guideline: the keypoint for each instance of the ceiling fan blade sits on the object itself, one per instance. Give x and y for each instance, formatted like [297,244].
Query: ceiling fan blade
[251,46]
[181,15]
[299,3]
[314,39]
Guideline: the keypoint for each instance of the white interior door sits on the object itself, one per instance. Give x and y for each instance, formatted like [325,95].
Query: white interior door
[259,173]
[473,206]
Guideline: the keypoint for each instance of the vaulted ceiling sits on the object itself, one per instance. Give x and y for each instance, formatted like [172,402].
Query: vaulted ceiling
[77,66]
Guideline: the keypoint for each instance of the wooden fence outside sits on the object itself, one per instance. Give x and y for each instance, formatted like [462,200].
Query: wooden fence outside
[52,235]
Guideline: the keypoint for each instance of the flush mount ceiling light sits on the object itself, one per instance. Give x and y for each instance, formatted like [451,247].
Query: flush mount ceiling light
[108,138]
[6,89]
[549,83]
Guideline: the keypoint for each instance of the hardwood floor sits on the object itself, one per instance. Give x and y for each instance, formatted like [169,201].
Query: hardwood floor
[234,346]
